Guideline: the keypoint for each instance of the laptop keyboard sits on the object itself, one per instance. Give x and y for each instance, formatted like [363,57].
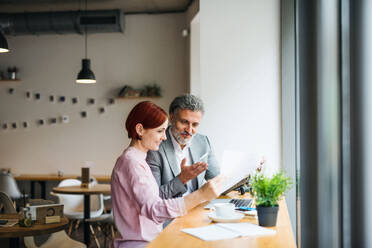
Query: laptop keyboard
[241,202]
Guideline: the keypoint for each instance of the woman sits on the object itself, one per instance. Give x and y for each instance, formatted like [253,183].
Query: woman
[138,210]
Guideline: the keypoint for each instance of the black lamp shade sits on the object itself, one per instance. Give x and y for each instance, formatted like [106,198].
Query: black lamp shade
[3,44]
[86,76]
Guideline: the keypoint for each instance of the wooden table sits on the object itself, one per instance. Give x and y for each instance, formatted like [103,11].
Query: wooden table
[43,178]
[77,190]
[15,232]
[172,236]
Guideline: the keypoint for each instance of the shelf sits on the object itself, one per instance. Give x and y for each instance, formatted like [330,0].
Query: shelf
[136,97]
[10,80]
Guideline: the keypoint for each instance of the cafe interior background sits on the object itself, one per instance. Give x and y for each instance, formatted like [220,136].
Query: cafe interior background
[226,53]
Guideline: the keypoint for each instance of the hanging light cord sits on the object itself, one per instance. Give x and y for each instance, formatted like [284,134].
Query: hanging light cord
[86,32]
[86,43]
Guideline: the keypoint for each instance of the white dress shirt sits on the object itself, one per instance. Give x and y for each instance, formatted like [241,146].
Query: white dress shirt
[180,155]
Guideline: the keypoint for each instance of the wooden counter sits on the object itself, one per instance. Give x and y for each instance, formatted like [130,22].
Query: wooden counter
[77,190]
[172,236]
[41,179]
[53,177]
[36,229]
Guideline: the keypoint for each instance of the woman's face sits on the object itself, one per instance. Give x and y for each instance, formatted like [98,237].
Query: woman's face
[152,137]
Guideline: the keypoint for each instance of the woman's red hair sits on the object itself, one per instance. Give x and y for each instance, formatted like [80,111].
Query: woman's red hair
[146,113]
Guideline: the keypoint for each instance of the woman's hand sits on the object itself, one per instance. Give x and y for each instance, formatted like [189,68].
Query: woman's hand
[209,191]
[212,188]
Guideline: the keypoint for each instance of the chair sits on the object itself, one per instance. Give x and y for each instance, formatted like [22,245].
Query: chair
[59,239]
[74,206]
[105,225]
[7,206]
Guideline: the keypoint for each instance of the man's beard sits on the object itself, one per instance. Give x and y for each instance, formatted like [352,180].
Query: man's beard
[180,139]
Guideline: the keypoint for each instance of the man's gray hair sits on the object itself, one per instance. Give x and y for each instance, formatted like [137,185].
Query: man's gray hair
[186,101]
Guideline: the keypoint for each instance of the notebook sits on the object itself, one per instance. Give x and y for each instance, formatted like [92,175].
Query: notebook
[228,231]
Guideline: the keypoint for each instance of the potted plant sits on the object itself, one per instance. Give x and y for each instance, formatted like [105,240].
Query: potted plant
[267,192]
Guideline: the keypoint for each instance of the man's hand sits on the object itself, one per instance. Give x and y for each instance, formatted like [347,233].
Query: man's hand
[192,171]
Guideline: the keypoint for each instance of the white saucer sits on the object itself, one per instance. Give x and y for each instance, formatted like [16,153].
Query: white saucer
[234,218]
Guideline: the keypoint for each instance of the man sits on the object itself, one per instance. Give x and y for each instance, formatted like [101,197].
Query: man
[176,166]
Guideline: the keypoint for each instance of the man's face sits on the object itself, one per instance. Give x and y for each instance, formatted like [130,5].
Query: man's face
[185,124]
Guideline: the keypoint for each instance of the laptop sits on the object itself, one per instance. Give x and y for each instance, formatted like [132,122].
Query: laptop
[239,203]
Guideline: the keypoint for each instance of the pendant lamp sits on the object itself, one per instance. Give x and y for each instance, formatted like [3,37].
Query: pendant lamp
[3,44]
[86,75]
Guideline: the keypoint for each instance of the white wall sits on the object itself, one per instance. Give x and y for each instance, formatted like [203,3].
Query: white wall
[151,50]
[240,76]
[195,54]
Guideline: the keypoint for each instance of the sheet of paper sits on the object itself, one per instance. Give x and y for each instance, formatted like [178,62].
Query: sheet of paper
[228,231]
[211,232]
[247,229]
[236,166]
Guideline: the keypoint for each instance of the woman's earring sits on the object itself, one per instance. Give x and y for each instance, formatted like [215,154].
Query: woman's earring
[139,137]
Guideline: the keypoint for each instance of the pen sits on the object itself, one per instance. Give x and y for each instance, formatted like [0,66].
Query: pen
[203,157]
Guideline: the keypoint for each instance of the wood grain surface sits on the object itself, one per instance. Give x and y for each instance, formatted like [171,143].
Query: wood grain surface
[77,190]
[47,177]
[172,236]
[37,229]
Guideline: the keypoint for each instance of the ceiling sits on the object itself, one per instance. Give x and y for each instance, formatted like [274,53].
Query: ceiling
[128,6]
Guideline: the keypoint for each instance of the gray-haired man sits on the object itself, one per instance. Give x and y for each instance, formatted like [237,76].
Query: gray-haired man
[185,160]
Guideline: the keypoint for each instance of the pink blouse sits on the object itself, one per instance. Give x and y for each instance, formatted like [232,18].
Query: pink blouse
[138,210]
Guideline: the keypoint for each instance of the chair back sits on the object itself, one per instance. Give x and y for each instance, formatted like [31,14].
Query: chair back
[75,203]
[96,201]
[58,239]
[9,185]
[72,203]
[7,204]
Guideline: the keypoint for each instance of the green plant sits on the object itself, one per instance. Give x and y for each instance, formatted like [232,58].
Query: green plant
[152,90]
[268,190]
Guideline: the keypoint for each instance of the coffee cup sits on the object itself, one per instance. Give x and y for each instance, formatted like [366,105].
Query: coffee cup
[224,209]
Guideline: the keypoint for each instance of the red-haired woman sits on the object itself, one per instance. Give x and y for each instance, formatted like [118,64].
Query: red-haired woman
[138,209]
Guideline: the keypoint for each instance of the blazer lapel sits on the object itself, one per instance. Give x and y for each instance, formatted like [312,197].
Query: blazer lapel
[195,155]
[169,153]
[194,152]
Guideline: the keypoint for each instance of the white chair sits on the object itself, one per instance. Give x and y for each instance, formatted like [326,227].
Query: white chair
[59,239]
[74,206]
